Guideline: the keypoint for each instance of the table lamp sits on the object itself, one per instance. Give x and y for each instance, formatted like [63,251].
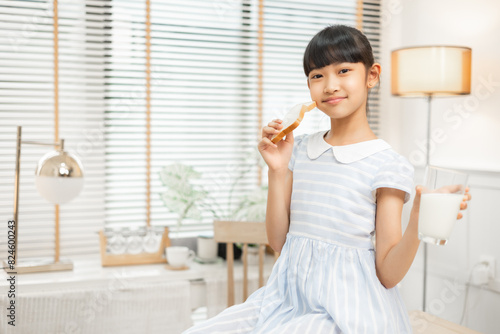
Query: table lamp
[429,71]
[58,179]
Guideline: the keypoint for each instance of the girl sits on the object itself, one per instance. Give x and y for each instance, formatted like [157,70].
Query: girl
[329,192]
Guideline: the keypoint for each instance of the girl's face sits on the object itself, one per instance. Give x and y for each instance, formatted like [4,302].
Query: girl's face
[341,89]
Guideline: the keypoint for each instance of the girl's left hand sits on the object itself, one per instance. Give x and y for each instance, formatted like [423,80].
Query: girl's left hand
[463,205]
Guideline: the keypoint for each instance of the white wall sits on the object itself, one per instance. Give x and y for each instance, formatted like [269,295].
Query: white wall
[471,143]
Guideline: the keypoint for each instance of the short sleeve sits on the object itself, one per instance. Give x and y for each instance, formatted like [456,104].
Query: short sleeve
[396,173]
[296,148]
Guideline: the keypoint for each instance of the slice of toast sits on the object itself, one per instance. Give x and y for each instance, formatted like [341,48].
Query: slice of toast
[293,118]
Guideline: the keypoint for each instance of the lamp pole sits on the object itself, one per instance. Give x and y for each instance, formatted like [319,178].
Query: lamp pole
[19,142]
[16,190]
[428,157]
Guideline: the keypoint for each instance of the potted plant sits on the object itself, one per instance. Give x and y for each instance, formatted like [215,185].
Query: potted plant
[182,196]
[252,207]
[189,198]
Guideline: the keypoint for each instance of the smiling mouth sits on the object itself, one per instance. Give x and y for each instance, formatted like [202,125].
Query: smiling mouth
[334,100]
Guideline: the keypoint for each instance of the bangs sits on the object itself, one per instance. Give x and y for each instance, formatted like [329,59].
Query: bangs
[332,46]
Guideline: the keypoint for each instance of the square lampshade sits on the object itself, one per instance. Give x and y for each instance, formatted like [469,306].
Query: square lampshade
[431,70]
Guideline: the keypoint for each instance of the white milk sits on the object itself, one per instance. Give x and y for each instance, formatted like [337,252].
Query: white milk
[438,213]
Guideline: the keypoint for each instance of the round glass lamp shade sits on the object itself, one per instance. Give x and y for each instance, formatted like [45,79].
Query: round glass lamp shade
[59,177]
[431,70]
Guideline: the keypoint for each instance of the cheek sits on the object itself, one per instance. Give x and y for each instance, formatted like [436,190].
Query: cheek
[354,86]
[315,90]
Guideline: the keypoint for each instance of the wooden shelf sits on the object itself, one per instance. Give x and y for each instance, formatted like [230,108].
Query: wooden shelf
[133,259]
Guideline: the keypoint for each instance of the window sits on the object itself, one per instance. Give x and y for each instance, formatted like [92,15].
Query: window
[204,93]
[203,104]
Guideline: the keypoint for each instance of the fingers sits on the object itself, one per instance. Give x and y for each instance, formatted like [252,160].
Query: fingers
[273,128]
[289,137]
[265,143]
[464,204]
[467,197]
[452,188]
[419,190]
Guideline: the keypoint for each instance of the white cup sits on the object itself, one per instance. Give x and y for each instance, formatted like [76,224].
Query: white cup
[440,203]
[207,248]
[179,256]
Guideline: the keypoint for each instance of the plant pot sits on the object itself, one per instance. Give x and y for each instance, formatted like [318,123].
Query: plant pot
[207,248]
[236,251]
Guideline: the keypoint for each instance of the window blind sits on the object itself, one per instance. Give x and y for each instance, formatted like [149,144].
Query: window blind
[204,91]
[204,110]
[202,105]
[27,99]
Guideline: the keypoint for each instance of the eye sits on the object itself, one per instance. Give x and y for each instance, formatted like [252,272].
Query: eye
[316,76]
[344,69]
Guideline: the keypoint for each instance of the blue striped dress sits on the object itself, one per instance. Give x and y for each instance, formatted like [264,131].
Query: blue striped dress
[325,280]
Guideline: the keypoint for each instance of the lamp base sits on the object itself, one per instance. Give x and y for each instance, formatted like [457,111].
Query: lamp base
[38,266]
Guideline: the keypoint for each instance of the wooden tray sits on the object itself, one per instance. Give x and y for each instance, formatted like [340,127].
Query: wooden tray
[108,260]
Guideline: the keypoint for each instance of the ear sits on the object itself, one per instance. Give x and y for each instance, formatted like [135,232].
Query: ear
[308,85]
[374,75]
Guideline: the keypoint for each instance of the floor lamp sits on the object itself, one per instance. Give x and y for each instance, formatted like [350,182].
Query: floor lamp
[430,71]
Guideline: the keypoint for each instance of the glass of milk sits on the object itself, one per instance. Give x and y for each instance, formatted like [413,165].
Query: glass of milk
[442,194]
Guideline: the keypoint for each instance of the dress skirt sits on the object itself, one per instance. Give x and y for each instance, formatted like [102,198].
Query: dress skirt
[316,287]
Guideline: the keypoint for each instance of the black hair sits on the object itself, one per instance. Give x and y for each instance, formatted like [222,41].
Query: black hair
[337,44]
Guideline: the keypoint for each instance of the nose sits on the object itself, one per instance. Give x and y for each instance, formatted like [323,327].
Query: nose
[331,85]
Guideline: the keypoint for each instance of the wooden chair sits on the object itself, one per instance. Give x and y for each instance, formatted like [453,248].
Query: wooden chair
[231,232]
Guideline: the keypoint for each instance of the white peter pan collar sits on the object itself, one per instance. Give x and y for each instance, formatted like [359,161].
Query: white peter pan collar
[346,154]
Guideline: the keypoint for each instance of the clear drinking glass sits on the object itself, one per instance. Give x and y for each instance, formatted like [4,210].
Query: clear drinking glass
[117,243]
[109,234]
[134,242]
[152,239]
[442,194]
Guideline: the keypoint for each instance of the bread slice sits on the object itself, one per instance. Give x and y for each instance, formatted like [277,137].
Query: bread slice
[293,118]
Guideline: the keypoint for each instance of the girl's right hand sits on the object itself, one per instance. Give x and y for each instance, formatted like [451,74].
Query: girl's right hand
[278,155]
